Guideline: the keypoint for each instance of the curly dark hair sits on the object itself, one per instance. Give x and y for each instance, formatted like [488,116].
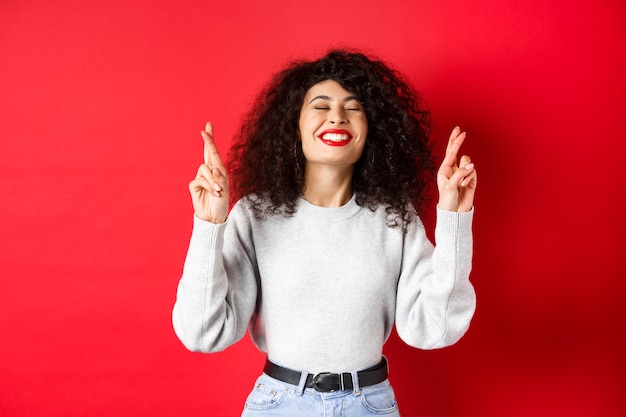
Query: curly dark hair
[266,162]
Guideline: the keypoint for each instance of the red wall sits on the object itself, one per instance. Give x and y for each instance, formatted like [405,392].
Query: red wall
[100,108]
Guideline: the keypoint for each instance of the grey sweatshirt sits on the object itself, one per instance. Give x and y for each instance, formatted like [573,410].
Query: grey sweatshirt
[320,291]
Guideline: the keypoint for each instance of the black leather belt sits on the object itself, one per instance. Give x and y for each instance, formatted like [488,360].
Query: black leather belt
[326,381]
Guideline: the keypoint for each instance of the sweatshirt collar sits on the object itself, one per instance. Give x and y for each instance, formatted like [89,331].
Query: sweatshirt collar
[329,213]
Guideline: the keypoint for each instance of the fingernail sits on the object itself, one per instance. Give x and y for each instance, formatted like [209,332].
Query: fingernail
[217,187]
[469,166]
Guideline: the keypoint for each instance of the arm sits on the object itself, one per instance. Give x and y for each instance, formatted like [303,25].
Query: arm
[215,298]
[217,293]
[436,300]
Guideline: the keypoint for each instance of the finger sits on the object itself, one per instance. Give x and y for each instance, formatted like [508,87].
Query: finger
[454,144]
[465,170]
[204,171]
[215,181]
[471,178]
[211,154]
[453,135]
[465,160]
[199,184]
[207,138]
[209,142]
[221,182]
[204,177]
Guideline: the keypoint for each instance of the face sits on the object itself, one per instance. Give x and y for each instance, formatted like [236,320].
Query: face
[333,125]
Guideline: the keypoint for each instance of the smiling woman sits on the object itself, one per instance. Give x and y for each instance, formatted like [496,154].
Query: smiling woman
[348,148]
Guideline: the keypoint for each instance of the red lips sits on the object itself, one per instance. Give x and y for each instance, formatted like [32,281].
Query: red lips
[335,137]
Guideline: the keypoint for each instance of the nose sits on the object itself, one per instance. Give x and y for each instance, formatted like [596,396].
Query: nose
[338,117]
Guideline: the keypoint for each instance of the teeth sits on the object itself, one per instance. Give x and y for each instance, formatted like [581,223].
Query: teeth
[335,137]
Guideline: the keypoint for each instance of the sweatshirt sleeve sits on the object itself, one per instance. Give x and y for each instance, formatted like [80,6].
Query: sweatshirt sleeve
[217,292]
[436,301]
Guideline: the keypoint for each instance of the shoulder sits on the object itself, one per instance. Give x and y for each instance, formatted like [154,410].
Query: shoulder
[404,218]
[253,208]
[262,206]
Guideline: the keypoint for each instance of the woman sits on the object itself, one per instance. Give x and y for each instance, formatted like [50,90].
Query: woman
[323,250]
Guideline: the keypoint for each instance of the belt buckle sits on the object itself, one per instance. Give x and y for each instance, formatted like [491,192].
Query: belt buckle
[321,382]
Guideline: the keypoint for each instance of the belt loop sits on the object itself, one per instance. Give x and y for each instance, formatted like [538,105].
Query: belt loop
[302,383]
[355,383]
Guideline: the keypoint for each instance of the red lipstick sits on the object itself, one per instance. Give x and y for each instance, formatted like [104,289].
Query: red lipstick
[335,137]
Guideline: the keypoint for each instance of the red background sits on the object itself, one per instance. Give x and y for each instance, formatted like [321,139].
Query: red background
[100,109]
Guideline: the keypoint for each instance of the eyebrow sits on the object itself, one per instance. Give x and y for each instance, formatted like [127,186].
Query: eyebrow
[345,100]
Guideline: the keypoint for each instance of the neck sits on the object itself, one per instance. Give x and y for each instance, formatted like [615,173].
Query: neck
[327,186]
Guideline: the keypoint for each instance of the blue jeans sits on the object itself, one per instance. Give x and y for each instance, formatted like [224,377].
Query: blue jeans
[271,397]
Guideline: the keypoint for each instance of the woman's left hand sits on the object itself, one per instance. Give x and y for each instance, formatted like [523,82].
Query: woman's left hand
[456,182]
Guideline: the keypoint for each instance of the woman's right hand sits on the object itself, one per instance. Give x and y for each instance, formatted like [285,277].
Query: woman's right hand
[209,190]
